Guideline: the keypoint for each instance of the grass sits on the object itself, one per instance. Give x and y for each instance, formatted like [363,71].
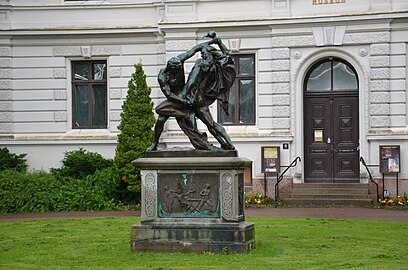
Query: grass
[282,243]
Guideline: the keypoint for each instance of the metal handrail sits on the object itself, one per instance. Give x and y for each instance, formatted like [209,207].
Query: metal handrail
[369,174]
[280,177]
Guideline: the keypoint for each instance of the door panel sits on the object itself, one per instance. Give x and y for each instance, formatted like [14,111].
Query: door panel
[319,159]
[331,138]
[345,139]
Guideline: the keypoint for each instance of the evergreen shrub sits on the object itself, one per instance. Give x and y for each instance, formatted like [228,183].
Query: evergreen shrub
[23,192]
[137,120]
[81,163]
[27,192]
[94,192]
[12,161]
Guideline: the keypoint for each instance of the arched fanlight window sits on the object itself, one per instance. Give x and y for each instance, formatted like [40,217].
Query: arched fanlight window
[331,74]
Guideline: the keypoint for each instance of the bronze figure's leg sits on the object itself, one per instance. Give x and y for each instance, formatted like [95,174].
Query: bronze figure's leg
[214,128]
[197,138]
[158,130]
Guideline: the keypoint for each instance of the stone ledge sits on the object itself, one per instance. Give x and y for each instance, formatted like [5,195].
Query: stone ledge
[189,152]
[198,238]
[188,162]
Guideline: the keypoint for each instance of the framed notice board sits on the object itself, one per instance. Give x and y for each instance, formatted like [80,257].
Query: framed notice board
[271,159]
[390,159]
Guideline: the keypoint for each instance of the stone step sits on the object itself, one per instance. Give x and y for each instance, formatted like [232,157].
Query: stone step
[330,185]
[344,191]
[330,196]
[324,202]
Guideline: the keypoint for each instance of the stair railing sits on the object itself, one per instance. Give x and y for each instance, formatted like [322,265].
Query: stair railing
[369,173]
[279,178]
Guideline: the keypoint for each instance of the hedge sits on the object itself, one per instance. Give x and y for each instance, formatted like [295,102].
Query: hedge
[45,192]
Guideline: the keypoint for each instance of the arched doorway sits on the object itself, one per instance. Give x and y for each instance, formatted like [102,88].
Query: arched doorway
[331,122]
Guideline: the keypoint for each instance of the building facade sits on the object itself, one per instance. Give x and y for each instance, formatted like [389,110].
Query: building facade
[322,80]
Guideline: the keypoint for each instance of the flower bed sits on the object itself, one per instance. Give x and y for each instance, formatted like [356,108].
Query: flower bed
[259,200]
[397,202]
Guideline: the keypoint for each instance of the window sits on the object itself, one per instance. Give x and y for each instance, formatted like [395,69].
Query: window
[89,94]
[241,108]
[331,75]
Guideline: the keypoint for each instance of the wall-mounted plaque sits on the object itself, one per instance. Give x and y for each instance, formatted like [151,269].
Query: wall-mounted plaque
[271,159]
[325,2]
[390,158]
[318,135]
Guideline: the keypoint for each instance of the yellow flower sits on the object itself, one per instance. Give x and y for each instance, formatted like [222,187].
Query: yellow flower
[259,201]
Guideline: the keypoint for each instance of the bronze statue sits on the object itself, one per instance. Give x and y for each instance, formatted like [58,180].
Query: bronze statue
[210,79]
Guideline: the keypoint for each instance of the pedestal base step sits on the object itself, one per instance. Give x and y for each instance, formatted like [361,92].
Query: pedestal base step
[196,238]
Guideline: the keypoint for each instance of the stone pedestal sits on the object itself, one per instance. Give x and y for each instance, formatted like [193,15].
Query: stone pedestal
[193,201]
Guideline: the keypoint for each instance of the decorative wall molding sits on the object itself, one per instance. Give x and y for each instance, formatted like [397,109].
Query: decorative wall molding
[234,44]
[293,41]
[379,109]
[67,51]
[60,94]
[379,85]
[380,73]
[59,73]
[150,193]
[380,49]
[281,88]
[115,72]
[366,38]
[280,53]
[280,65]
[60,116]
[363,52]
[329,36]
[297,54]
[6,95]
[86,51]
[380,61]
[280,8]
[175,11]
[227,199]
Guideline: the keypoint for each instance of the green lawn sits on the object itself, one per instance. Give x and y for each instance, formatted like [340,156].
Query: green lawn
[281,243]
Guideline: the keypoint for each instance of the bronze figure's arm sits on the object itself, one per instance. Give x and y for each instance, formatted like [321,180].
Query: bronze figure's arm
[222,46]
[190,53]
[165,88]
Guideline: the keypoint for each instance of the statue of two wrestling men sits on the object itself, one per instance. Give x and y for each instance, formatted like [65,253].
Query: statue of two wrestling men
[210,79]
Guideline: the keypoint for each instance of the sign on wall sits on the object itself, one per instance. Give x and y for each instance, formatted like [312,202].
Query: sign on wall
[271,159]
[390,159]
[323,2]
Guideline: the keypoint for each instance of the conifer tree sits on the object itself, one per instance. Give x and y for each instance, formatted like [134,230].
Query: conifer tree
[137,120]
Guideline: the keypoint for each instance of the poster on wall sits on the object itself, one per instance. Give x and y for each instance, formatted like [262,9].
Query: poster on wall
[270,159]
[390,159]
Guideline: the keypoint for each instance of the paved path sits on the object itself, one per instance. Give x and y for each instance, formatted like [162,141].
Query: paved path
[326,212]
[331,212]
[57,215]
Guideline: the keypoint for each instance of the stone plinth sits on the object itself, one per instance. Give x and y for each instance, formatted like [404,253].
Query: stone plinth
[193,202]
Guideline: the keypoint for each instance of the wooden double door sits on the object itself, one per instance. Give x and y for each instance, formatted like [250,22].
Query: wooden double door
[331,137]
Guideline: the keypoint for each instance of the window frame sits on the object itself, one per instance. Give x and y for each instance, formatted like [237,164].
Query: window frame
[89,85]
[331,60]
[236,87]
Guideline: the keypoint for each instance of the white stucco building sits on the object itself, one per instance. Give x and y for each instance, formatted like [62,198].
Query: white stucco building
[323,80]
